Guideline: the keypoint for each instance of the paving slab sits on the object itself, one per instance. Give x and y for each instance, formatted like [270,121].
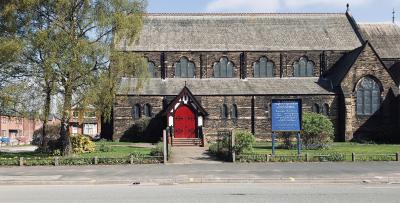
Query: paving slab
[192,155]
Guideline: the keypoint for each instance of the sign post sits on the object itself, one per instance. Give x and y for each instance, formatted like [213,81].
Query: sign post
[273,143]
[298,143]
[286,117]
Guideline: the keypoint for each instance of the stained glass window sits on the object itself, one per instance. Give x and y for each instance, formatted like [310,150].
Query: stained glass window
[151,67]
[137,111]
[303,68]
[263,68]
[184,68]
[147,110]
[234,111]
[368,97]
[224,111]
[223,69]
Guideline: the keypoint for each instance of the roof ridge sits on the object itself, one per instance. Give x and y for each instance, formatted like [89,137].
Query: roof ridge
[377,23]
[237,14]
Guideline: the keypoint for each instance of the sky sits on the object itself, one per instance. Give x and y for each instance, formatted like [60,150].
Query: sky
[362,10]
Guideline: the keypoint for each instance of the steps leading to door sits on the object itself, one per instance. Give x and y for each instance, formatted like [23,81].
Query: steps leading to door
[186,142]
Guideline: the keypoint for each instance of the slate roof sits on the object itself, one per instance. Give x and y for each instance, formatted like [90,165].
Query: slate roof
[225,86]
[245,32]
[385,38]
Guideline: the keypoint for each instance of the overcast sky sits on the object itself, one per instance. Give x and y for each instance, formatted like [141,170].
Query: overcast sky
[362,10]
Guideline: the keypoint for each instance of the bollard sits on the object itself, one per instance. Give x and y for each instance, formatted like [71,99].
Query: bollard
[306,157]
[353,157]
[96,160]
[397,156]
[232,145]
[131,159]
[267,157]
[165,152]
[21,161]
[56,161]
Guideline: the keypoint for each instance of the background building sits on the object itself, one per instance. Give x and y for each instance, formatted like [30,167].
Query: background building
[19,129]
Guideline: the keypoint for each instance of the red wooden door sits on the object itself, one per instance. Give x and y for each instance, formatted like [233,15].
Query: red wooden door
[184,123]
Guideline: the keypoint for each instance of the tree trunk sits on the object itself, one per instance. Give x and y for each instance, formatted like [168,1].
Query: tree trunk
[46,114]
[66,149]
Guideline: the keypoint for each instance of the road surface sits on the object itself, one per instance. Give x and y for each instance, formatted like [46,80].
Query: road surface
[202,193]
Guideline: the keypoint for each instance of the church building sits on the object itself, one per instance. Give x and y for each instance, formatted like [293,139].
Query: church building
[220,71]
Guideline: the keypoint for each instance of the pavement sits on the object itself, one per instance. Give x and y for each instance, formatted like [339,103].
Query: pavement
[192,155]
[170,174]
[17,149]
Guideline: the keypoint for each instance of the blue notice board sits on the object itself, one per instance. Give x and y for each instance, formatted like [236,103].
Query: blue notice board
[286,115]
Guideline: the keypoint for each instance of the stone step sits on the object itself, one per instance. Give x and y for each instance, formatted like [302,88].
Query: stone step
[186,142]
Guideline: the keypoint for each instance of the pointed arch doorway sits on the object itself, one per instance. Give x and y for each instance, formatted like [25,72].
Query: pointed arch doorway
[185,123]
[185,116]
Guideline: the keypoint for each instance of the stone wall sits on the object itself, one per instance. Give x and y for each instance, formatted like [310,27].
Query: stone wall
[253,112]
[382,124]
[204,61]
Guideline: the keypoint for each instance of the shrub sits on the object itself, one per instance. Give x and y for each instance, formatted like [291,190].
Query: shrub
[103,147]
[317,131]
[221,148]
[159,150]
[286,141]
[243,142]
[82,144]
[330,156]
[52,135]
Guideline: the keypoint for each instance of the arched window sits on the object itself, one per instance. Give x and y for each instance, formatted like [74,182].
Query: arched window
[137,111]
[224,111]
[325,109]
[234,111]
[184,68]
[303,68]
[263,68]
[223,69]
[315,108]
[151,67]
[147,110]
[368,96]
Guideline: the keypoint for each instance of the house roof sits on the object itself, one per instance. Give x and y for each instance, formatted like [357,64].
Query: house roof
[244,32]
[225,86]
[385,37]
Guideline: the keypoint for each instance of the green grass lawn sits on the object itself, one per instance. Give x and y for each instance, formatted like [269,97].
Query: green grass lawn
[339,147]
[119,149]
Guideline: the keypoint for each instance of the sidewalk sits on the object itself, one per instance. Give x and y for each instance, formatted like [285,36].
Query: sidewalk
[16,148]
[192,155]
[372,172]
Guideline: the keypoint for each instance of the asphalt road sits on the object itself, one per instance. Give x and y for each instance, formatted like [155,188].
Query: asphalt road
[372,172]
[202,193]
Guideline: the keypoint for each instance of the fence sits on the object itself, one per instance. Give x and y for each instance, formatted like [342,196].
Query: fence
[353,157]
[56,161]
